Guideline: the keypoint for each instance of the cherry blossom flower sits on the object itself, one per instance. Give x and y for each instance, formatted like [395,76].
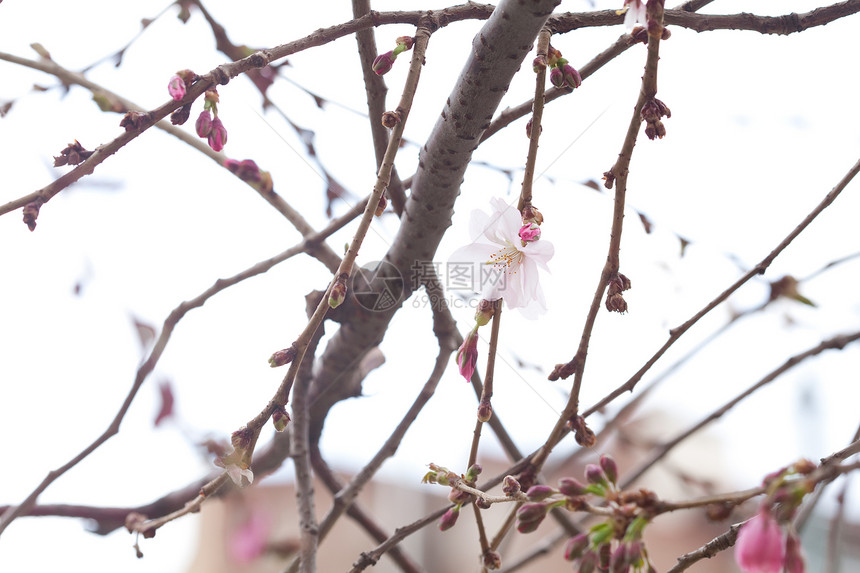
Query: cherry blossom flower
[760,547]
[506,264]
[635,13]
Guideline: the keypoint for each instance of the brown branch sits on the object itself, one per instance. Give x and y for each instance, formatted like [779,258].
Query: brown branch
[760,268]
[618,173]
[536,121]
[376,91]
[782,25]
[148,365]
[680,16]
[708,550]
[369,558]
[555,23]
[825,473]
[357,513]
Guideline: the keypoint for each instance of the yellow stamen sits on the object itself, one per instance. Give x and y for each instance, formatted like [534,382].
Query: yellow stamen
[506,259]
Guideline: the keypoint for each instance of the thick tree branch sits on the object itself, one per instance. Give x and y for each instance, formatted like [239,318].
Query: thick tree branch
[498,51]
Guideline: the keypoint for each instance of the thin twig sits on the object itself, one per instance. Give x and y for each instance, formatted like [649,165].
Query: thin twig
[610,270]
[536,123]
[760,268]
[358,514]
[148,365]
[834,343]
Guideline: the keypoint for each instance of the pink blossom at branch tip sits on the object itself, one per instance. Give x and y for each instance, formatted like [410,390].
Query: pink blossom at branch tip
[507,269]
[760,547]
[635,13]
[249,540]
[467,355]
[217,135]
[176,87]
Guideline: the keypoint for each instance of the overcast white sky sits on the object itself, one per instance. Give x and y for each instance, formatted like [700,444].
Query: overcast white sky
[761,129]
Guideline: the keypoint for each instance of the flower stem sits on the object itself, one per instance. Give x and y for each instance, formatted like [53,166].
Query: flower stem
[537,116]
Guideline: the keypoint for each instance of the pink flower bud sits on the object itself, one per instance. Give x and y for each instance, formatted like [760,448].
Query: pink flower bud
[539,492]
[595,475]
[556,76]
[473,472]
[282,357]
[217,135]
[588,563]
[571,487]
[576,546]
[467,355]
[760,547]
[176,87]
[529,233]
[609,467]
[203,125]
[618,561]
[383,63]
[571,76]
[530,515]
[449,519]
[246,170]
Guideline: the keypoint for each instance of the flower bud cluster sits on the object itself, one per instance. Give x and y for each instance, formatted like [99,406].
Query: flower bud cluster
[444,476]
[208,127]
[532,220]
[768,541]
[562,74]
[610,547]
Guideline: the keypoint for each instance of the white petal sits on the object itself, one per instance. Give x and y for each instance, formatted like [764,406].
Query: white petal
[540,252]
[473,253]
[478,222]
[236,473]
[504,224]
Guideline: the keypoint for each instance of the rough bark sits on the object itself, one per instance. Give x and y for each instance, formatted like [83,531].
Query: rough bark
[497,54]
